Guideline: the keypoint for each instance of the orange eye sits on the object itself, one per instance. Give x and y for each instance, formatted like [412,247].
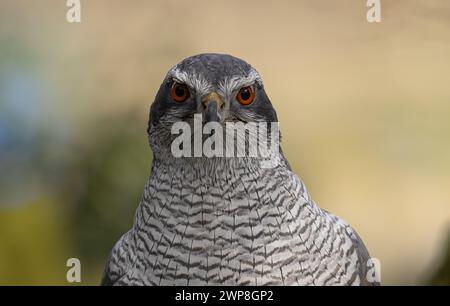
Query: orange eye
[179,92]
[246,95]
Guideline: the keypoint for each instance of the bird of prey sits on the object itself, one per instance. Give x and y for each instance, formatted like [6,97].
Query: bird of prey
[227,220]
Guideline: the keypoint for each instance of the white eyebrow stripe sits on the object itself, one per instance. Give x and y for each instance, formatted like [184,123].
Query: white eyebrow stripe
[195,81]
[229,85]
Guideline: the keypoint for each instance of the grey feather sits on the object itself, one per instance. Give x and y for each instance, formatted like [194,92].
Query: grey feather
[229,221]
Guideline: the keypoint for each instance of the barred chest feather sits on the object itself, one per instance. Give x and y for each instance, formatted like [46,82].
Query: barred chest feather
[217,222]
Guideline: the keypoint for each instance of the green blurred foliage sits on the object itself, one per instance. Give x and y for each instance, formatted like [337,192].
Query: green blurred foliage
[94,196]
[34,253]
[104,184]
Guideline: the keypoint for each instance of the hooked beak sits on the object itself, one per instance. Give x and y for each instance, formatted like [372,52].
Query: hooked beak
[213,103]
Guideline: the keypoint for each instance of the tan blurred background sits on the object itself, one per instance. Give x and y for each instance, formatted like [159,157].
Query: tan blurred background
[364,110]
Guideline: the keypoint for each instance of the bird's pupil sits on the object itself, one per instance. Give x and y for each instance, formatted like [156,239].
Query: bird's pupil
[179,91]
[245,94]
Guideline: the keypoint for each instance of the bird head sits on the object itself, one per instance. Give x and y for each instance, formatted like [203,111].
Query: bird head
[221,88]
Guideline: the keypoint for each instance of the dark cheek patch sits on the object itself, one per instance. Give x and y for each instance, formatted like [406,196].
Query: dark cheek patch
[159,106]
[263,107]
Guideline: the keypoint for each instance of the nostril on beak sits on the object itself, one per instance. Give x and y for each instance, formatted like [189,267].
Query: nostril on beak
[213,97]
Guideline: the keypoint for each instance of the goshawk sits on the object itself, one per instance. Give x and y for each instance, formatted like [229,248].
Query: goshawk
[228,220]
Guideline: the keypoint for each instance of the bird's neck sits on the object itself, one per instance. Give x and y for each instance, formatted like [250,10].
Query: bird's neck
[205,191]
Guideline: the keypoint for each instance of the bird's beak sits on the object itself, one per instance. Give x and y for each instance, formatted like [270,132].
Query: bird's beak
[213,104]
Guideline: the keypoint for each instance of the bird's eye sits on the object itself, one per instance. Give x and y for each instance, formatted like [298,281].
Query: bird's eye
[179,92]
[246,95]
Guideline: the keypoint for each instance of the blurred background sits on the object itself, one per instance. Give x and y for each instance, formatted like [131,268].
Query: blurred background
[364,110]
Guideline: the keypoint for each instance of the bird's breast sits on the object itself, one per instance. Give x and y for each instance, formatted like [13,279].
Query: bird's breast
[237,227]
